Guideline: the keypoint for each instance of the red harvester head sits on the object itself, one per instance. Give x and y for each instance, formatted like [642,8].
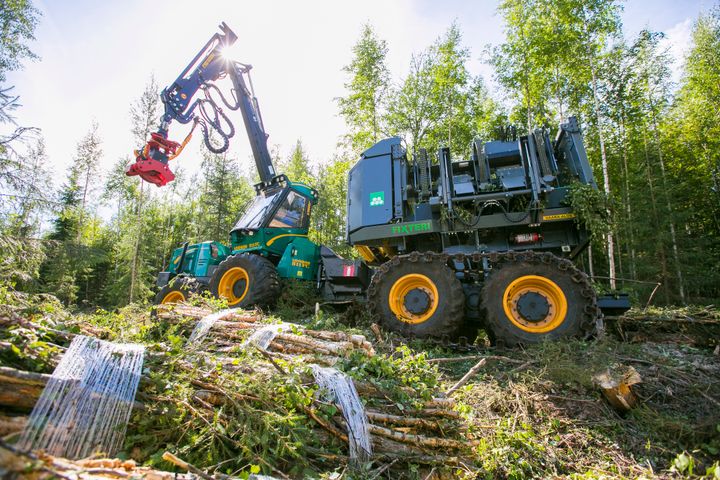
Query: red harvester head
[152,162]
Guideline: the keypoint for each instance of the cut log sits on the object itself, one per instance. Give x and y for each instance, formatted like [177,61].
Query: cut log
[403,421]
[419,440]
[20,389]
[336,348]
[10,425]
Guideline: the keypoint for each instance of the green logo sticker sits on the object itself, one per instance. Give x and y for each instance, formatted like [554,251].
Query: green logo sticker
[409,228]
[377,199]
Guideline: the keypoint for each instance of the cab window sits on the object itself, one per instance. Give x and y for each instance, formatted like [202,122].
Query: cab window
[292,212]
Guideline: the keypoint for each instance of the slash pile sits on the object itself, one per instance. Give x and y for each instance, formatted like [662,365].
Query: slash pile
[409,419]
[243,397]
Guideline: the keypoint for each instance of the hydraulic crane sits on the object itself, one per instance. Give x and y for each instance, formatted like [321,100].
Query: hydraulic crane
[270,241]
[183,105]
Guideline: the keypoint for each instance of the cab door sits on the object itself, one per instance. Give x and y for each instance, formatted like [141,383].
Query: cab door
[290,220]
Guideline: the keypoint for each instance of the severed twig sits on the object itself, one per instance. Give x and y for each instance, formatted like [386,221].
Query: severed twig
[467,376]
[169,457]
[271,359]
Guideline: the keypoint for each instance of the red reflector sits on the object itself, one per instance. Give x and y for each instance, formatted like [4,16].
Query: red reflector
[348,270]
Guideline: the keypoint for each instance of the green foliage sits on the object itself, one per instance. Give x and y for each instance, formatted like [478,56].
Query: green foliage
[18,19]
[367,88]
[439,102]
[224,194]
[297,299]
[21,261]
[558,57]
[297,166]
[328,216]
[591,207]
[515,452]
[404,368]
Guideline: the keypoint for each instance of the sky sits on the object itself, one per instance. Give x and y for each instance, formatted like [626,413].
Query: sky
[96,57]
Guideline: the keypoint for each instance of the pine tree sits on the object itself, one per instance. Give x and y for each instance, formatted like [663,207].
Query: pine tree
[59,272]
[22,209]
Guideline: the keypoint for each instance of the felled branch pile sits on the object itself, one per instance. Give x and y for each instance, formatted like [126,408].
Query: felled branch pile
[694,325]
[233,328]
[396,429]
[222,390]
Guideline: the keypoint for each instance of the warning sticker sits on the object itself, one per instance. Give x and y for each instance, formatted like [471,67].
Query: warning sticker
[559,216]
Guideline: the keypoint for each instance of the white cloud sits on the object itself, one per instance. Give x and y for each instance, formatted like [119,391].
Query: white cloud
[677,42]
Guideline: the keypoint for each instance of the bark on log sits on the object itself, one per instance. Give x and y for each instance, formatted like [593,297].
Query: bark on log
[419,440]
[20,389]
[337,348]
[357,340]
[435,412]
[297,349]
[10,425]
[403,421]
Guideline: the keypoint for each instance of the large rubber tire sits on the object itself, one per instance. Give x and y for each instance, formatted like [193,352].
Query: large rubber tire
[177,290]
[546,282]
[429,273]
[246,280]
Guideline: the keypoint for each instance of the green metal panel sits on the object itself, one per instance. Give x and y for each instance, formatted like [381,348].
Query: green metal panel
[299,260]
[199,257]
[268,240]
[305,190]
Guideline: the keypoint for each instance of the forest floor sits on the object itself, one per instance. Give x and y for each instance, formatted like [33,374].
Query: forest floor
[534,412]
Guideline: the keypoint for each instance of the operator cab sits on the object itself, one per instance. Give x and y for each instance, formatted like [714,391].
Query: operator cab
[278,208]
[281,207]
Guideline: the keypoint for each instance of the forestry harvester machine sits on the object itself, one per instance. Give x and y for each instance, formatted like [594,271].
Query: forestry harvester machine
[448,246]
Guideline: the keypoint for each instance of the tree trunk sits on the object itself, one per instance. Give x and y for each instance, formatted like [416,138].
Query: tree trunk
[663,260]
[136,250]
[606,177]
[626,201]
[558,93]
[673,237]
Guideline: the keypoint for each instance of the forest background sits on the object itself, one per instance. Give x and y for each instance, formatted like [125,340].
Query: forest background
[100,239]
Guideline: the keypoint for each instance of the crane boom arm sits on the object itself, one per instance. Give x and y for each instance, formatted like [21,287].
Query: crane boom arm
[183,104]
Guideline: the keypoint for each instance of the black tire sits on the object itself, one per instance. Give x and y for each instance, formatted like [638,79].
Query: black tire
[260,288]
[445,319]
[539,314]
[177,290]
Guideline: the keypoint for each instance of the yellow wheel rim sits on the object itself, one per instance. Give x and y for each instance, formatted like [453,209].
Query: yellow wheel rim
[535,285]
[174,297]
[226,288]
[402,287]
